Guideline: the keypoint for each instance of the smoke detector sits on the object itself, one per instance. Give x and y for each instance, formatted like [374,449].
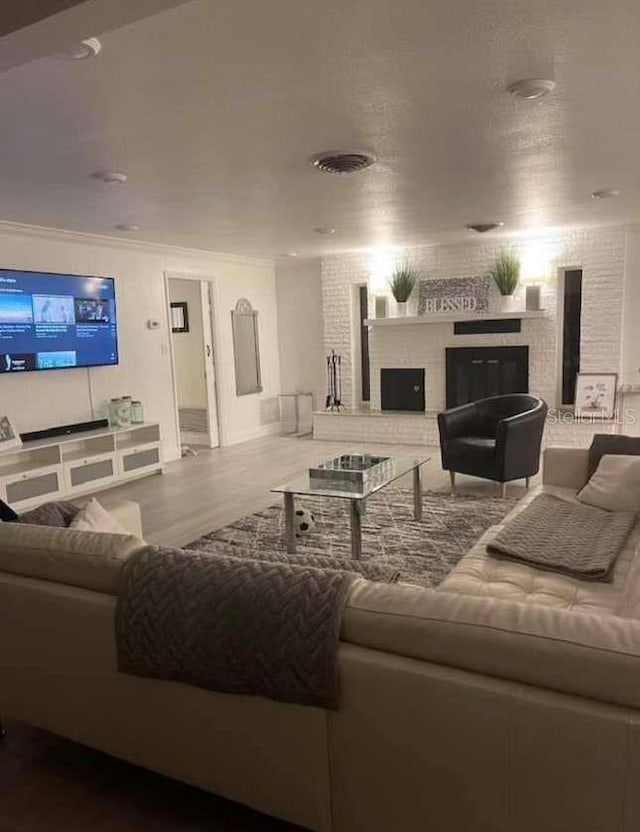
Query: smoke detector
[88,48]
[110,176]
[127,226]
[343,161]
[483,227]
[531,88]
[324,231]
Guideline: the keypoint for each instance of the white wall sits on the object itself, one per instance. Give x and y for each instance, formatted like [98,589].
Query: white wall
[599,252]
[240,416]
[300,323]
[39,400]
[188,350]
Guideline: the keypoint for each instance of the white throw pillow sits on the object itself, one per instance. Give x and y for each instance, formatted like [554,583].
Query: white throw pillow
[615,485]
[94,518]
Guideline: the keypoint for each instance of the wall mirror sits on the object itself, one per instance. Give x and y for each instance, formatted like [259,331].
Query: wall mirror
[246,348]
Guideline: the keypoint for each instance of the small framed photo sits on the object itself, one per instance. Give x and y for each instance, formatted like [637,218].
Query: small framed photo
[596,395]
[9,436]
[179,317]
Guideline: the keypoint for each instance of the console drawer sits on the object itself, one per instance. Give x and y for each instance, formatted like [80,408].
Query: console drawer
[25,487]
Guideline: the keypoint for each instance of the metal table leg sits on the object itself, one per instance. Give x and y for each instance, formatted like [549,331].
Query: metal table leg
[356,529]
[417,494]
[289,513]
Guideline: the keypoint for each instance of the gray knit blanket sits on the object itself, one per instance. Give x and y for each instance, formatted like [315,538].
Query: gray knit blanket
[574,539]
[232,625]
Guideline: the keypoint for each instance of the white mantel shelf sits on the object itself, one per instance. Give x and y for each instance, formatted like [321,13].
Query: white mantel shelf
[455,317]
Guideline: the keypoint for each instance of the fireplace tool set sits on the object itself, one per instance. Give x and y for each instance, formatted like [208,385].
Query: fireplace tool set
[334,381]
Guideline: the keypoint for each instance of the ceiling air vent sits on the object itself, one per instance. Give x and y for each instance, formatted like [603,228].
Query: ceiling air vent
[342,161]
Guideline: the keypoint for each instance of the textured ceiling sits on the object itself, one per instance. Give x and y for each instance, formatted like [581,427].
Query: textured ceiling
[213,108]
[31,29]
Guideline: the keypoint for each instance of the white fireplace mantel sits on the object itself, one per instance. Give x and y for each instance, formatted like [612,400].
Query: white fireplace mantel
[455,317]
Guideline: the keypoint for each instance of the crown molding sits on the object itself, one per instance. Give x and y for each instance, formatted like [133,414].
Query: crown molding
[82,238]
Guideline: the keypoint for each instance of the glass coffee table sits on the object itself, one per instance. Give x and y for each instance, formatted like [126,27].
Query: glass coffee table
[355,477]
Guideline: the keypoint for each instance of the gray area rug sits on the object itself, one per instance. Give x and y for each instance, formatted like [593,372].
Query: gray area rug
[393,543]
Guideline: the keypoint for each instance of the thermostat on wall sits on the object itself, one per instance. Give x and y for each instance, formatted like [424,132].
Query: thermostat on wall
[152,324]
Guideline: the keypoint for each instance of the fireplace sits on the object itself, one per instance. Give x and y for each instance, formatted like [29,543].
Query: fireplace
[474,373]
[402,389]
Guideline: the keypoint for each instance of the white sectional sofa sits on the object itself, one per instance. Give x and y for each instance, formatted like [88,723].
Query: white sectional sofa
[483,576]
[508,700]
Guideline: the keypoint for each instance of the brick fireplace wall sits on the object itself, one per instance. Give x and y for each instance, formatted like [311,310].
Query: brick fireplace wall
[599,252]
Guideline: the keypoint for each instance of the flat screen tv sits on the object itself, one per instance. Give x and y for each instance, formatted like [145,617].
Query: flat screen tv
[56,321]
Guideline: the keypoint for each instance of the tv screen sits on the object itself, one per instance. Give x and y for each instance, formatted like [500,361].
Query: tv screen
[56,321]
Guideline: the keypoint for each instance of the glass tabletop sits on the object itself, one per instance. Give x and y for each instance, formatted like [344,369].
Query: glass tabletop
[362,480]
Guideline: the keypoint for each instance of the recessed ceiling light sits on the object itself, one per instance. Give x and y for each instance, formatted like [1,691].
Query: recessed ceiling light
[324,231]
[343,161]
[110,176]
[127,226]
[605,193]
[531,88]
[88,48]
[483,227]
[292,254]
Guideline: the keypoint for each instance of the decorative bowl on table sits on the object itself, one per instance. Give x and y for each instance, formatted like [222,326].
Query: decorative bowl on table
[355,473]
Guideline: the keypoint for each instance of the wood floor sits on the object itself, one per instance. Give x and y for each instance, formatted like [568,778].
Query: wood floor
[48,784]
[198,494]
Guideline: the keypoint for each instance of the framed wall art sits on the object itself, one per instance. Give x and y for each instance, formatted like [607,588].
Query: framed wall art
[596,395]
[179,317]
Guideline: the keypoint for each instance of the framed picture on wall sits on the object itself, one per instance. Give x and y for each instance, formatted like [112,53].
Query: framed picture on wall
[596,395]
[9,436]
[179,317]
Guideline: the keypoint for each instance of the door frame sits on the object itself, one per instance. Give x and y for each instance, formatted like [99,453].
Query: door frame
[210,281]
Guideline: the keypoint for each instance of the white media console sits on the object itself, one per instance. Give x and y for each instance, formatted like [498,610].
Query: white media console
[67,466]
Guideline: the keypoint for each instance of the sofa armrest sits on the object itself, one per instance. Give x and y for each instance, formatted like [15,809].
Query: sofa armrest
[565,467]
[90,560]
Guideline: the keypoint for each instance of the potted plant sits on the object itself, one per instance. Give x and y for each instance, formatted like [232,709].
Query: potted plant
[506,275]
[402,283]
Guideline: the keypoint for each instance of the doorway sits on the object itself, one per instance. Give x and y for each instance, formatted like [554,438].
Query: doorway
[191,326]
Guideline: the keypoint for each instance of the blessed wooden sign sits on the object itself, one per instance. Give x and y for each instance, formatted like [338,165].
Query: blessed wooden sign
[453,294]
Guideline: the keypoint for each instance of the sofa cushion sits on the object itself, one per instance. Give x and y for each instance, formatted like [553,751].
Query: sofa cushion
[592,656]
[91,560]
[565,467]
[480,575]
[606,443]
[615,485]
[92,517]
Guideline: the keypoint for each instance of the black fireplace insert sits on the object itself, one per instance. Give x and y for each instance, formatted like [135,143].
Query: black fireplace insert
[402,389]
[474,373]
